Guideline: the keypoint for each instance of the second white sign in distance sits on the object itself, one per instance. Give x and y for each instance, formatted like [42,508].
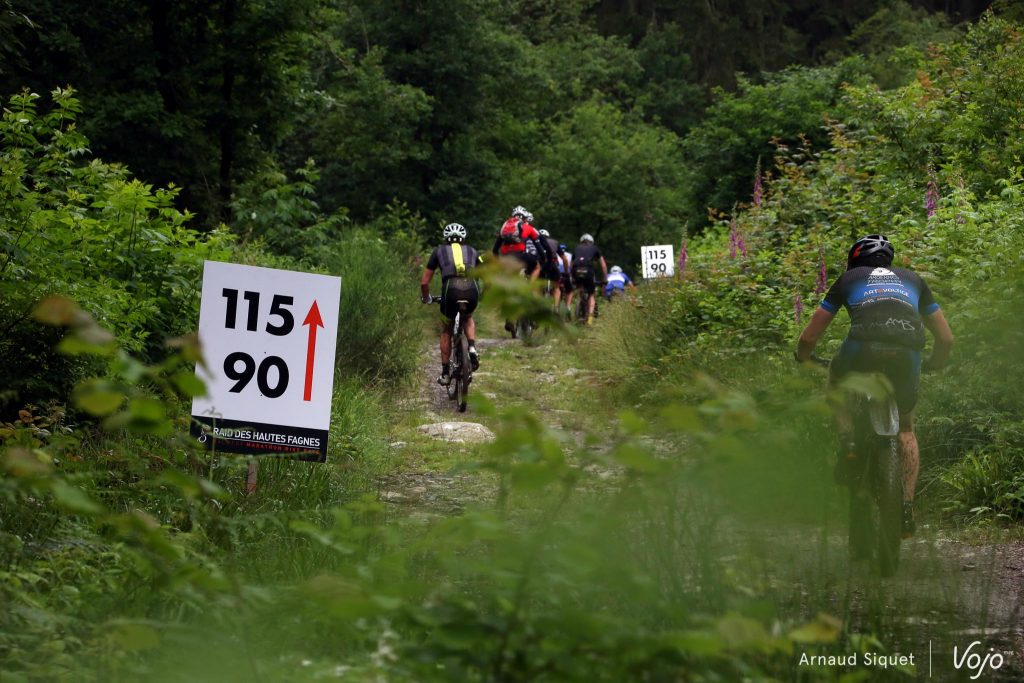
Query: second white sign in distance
[658,260]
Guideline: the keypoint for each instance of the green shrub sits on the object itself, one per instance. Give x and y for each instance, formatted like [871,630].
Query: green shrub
[380,333]
[86,230]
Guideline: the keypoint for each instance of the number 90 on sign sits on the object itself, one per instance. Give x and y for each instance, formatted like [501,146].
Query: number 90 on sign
[243,376]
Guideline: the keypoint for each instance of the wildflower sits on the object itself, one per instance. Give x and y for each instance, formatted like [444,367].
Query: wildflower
[736,243]
[798,307]
[757,183]
[682,257]
[931,198]
[822,283]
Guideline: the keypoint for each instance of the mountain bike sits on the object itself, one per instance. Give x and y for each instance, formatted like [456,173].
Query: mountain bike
[584,300]
[581,306]
[460,369]
[522,327]
[875,480]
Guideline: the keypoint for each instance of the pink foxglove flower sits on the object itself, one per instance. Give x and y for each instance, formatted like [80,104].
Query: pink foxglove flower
[758,191]
[798,308]
[931,198]
[682,257]
[736,243]
[822,283]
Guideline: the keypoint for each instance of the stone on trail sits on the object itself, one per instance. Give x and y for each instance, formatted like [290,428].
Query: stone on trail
[459,432]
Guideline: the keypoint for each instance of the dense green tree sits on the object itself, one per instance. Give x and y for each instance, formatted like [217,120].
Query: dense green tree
[186,92]
[609,174]
[741,127]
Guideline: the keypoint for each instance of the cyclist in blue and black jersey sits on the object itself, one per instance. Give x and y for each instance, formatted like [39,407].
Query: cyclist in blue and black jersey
[455,260]
[890,308]
[617,283]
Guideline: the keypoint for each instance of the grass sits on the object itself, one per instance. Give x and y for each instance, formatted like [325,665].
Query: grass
[692,534]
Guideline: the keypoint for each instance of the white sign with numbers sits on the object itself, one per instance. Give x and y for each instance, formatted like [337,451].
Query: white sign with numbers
[268,338]
[658,261]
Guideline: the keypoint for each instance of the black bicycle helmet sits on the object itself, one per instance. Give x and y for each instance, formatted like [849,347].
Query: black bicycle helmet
[873,250]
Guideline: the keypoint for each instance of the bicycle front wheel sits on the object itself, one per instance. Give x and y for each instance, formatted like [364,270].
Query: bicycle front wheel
[889,498]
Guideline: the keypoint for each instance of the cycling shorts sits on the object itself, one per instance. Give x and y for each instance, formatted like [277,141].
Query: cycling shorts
[527,260]
[455,289]
[583,277]
[565,283]
[901,365]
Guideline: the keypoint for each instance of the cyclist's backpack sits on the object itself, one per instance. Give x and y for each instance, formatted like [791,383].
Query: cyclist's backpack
[512,231]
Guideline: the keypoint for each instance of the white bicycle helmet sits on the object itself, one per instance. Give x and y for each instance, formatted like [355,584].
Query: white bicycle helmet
[543,233]
[454,232]
[615,270]
[587,237]
[520,211]
[529,217]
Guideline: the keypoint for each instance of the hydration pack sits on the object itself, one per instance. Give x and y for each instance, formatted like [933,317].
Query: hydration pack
[512,231]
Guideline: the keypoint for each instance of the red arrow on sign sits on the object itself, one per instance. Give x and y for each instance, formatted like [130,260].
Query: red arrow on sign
[314,320]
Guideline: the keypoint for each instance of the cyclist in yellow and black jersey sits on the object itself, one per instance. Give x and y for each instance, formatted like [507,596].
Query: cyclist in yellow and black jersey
[455,260]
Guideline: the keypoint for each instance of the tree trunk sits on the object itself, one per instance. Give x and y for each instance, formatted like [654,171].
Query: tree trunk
[227,130]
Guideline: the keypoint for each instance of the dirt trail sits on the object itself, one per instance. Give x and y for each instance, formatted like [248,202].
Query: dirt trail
[422,485]
[947,592]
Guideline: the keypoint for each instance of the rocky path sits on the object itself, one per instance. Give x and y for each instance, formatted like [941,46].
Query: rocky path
[949,592]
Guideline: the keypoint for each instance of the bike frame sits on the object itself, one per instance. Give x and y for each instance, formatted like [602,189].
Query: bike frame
[461,372]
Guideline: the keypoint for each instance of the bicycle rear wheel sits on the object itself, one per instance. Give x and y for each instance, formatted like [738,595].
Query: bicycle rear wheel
[524,328]
[464,374]
[889,499]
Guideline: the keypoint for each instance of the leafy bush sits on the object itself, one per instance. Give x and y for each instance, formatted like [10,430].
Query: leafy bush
[380,334]
[87,230]
[931,165]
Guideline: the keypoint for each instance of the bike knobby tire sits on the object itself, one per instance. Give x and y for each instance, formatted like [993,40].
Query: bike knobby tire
[463,377]
[889,500]
[581,309]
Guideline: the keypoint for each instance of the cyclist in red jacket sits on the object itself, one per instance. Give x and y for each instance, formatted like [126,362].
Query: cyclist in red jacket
[518,239]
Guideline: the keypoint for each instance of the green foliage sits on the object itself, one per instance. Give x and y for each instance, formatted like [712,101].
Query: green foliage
[873,177]
[377,340]
[87,230]
[608,174]
[740,128]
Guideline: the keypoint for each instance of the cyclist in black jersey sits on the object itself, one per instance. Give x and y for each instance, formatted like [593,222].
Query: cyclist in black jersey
[890,308]
[455,260]
[553,269]
[584,256]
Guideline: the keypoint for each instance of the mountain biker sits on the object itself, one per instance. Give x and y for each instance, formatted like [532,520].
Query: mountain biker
[518,239]
[552,270]
[889,309]
[455,259]
[583,258]
[565,280]
[617,282]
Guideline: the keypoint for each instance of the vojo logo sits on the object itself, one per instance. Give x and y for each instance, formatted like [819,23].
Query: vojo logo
[974,661]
